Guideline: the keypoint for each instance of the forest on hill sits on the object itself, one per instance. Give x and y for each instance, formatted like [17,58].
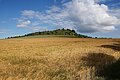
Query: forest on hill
[63,32]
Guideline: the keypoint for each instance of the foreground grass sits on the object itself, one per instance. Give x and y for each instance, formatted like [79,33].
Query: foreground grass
[57,58]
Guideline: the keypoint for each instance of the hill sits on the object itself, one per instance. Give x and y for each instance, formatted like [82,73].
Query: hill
[55,33]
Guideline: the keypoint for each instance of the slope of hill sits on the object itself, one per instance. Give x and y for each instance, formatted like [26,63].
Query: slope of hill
[55,33]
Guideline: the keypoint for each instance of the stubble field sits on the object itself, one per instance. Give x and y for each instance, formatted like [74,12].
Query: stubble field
[59,59]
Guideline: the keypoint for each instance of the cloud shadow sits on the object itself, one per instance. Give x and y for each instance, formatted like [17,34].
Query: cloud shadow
[98,60]
[111,72]
[106,66]
[115,47]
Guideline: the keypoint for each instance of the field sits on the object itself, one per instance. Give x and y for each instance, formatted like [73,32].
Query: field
[59,59]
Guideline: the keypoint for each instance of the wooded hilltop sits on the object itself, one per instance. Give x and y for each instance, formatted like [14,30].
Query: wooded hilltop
[63,32]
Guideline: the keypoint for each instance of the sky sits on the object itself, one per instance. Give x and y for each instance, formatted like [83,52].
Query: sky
[96,18]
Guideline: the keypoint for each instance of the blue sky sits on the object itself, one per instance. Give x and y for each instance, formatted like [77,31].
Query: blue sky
[101,18]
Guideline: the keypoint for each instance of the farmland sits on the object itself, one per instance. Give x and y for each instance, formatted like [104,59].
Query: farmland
[59,59]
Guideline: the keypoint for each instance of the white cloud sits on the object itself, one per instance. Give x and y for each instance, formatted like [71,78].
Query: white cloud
[88,16]
[53,17]
[23,23]
[82,15]
[35,28]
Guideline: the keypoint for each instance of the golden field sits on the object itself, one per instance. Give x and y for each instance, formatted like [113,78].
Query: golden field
[56,58]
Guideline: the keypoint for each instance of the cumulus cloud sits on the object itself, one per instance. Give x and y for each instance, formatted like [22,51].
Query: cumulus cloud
[88,16]
[85,16]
